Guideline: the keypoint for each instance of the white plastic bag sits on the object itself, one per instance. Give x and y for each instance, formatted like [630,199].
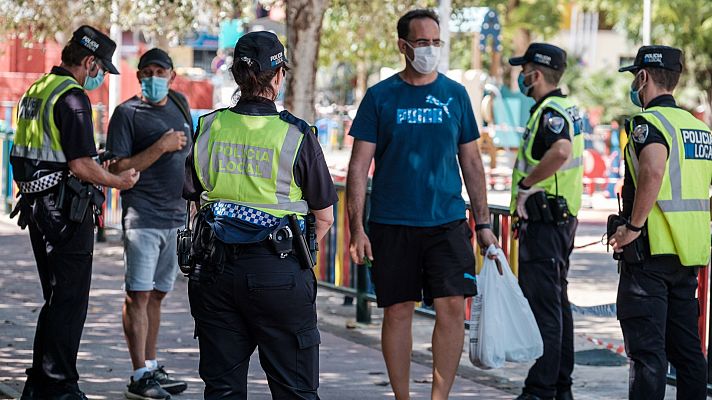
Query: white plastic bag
[502,325]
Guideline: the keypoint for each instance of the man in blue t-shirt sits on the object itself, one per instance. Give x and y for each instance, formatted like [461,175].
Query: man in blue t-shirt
[419,126]
[150,133]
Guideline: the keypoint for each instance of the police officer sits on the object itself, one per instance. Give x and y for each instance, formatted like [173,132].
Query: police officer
[546,197]
[252,168]
[54,170]
[666,237]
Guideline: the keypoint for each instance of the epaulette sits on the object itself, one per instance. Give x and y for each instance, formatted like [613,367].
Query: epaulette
[302,125]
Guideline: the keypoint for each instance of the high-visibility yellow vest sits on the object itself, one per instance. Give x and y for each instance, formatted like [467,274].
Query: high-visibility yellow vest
[569,179]
[249,160]
[37,136]
[679,222]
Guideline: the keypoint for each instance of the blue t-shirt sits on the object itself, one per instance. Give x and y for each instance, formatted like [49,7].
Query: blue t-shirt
[417,131]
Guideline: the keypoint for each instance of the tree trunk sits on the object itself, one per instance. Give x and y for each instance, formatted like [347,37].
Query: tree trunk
[361,81]
[304,19]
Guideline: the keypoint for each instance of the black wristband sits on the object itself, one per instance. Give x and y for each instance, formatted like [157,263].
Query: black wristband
[633,228]
[523,186]
[479,227]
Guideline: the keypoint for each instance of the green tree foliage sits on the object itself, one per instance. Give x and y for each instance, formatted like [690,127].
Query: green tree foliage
[605,89]
[686,24]
[356,32]
[165,19]
[362,34]
[521,21]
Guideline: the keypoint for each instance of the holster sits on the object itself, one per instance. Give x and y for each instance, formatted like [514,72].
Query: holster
[538,209]
[300,244]
[634,252]
[82,196]
[207,251]
[311,235]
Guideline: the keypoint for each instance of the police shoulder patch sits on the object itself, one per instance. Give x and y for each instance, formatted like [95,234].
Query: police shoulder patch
[640,133]
[554,122]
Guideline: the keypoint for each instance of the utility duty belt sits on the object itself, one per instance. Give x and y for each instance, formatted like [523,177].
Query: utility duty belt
[200,251]
[547,208]
[57,203]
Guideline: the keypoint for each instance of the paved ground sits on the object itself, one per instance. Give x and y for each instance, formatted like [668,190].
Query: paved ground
[349,369]
[351,364]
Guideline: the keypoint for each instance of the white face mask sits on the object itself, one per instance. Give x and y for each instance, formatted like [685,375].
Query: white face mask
[425,59]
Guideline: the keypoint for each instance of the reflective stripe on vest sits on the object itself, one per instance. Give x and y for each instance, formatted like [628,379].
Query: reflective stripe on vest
[201,145]
[283,181]
[45,152]
[568,179]
[286,157]
[677,203]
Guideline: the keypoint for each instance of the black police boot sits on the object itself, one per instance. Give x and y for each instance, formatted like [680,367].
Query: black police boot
[567,395]
[76,395]
[29,392]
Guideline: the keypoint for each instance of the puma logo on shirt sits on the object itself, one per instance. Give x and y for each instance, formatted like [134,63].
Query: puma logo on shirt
[426,115]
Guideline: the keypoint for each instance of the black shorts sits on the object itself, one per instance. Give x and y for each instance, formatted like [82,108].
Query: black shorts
[415,262]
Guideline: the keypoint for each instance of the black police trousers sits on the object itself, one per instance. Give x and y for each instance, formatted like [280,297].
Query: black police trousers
[544,250]
[260,301]
[64,264]
[658,312]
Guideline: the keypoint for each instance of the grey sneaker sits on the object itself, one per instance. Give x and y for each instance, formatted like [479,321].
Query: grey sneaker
[172,386]
[146,388]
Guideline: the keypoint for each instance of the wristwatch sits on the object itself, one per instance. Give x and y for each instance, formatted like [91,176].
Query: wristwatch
[522,185]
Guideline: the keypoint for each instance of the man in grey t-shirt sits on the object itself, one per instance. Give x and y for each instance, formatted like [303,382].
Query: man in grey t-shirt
[150,133]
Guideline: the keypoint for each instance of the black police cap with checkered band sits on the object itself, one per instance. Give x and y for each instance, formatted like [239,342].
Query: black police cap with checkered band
[544,54]
[664,57]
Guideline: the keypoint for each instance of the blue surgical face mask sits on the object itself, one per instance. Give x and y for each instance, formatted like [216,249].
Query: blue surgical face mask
[93,82]
[523,86]
[635,97]
[154,88]
[635,94]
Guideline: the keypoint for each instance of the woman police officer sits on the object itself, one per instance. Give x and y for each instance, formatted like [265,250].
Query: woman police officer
[251,169]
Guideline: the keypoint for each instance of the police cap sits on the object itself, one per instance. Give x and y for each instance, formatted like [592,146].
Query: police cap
[664,57]
[261,47]
[544,54]
[98,44]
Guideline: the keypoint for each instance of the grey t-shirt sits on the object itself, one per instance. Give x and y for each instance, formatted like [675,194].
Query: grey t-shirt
[155,201]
